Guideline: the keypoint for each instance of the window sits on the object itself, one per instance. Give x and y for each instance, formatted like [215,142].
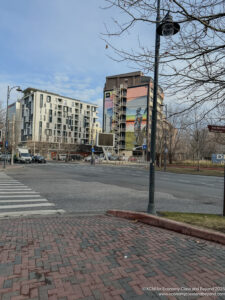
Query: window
[48,98]
[81,106]
[41,100]
[72,104]
[48,132]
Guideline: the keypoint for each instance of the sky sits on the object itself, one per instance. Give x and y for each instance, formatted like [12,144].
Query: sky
[57,45]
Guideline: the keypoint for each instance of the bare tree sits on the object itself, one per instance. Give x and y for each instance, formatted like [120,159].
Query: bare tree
[191,63]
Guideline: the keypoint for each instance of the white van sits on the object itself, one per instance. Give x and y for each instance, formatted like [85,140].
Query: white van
[23,155]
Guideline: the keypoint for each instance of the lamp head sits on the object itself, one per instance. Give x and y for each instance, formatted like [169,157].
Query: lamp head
[19,89]
[168,27]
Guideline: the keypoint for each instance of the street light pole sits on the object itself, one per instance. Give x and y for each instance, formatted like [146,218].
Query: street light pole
[166,28]
[13,140]
[151,204]
[6,127]
[6,123]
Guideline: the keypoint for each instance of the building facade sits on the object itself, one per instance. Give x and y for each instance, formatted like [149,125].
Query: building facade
[127,110]
[52,122]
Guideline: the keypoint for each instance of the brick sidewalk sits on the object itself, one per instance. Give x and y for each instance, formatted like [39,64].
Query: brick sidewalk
[101,257]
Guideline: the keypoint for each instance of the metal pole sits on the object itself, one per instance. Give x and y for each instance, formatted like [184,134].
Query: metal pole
[224,192]
[6,127]
[151,204]
[13,140]
[165,141]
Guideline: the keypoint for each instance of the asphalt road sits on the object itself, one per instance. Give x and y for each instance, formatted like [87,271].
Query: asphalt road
[85,188]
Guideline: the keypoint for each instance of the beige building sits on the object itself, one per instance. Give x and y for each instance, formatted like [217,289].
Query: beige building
[49,122]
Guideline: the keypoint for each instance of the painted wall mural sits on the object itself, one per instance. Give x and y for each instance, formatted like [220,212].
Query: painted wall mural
[108,112]
[136,116]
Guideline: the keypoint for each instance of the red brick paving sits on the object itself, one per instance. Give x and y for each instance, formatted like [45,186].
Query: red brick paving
[102,257]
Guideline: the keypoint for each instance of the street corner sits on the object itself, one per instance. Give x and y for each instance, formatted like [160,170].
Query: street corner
[179,227]
[103,257]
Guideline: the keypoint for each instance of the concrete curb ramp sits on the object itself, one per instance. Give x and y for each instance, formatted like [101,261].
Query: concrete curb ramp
[183,228]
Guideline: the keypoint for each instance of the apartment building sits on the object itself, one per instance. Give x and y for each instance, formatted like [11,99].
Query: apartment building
[52,121]
[127,110]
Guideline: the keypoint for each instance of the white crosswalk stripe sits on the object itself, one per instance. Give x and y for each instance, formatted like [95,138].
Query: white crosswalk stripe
[17,199]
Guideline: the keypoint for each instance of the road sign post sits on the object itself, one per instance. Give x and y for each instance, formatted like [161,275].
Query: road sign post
[224,192]
[220,129]
[92,156]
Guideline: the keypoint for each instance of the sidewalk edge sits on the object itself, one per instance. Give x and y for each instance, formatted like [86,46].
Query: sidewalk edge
[179,227]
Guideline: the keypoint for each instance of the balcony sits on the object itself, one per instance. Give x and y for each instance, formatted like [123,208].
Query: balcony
[123,103]
[122,120]
[122,129]
[59,120]
[122,112]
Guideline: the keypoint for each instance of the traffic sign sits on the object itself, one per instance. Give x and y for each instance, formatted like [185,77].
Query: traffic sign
[144,147]
[92,149]
[6,144]
[216,128]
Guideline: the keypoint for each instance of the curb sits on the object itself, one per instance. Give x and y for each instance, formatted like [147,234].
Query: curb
[10,168]
[179,227]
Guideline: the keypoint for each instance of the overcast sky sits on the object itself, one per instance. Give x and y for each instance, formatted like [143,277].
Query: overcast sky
[56,45]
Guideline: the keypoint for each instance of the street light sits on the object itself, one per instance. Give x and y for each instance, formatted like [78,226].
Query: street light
[6,123]
[166,28]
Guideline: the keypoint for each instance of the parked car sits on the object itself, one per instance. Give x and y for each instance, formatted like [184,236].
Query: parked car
[132,158]
[114,157]
[7,156]
[76,157]
[89,157]
[38,159]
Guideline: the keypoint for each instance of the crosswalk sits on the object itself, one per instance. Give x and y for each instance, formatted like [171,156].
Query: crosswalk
[17,199]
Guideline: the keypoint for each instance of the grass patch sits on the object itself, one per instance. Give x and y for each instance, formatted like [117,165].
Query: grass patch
[193,171]
[202,163]
[208,221]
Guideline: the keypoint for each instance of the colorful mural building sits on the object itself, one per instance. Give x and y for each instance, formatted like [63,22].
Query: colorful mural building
[127,111]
